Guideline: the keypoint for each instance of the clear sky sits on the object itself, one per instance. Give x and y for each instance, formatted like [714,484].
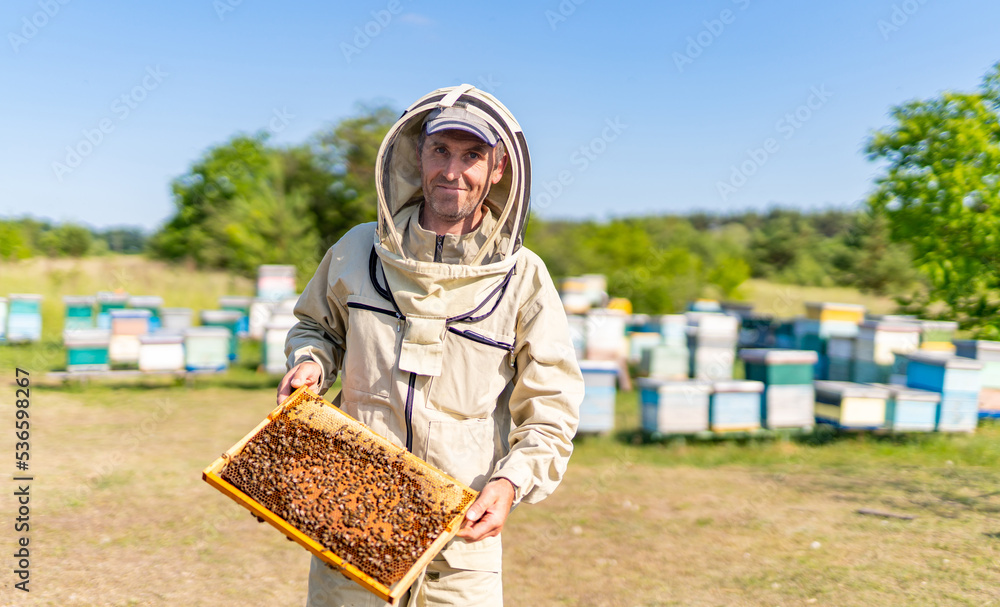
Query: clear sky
[628,108]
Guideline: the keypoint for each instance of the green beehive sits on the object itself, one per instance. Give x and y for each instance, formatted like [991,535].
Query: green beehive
[779,367]
[79,312]
[87,349]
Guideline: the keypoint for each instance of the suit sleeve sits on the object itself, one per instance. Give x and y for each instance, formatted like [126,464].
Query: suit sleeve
[320,334]
[545,398]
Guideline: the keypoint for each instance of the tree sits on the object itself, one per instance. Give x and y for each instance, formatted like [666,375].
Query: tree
[236,210]
[941,194]
[346,154]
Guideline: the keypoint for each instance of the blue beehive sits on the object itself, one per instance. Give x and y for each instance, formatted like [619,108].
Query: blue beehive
[735,405]
[24,318]
[910,409]
[957,379]
[597,411]
[674,407]
[3,319]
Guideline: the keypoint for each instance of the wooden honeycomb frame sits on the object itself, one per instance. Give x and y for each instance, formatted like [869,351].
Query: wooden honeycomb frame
[213,475]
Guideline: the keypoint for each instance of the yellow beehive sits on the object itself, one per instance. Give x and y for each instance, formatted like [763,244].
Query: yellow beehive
[825,312]
[366,507]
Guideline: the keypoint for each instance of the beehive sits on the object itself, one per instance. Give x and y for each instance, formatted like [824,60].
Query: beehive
[275,282]
[597,411]
[605,335]
[712,340]
[241,304]
[3,319]
[275,333]
[176,320]
[910,409]
[87,349]
[641,342]
[206,348]
[959,380]
[986,352]
[260,313]
[674,407]
[827,312]
[161,352]
[877,345]
[365,507]
[24,318]
[229,319]
[79,312]
[735,406]
[665,362]
[851,406]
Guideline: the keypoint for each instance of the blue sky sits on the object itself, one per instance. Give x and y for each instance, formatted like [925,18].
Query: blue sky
[665,107]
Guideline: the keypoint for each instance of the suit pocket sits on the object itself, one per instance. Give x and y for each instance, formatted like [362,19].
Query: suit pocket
[476,370]
[370,355]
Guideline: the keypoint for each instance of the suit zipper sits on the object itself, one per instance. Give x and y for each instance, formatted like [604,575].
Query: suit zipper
[360,306]
[439,248]
[486,341]
[409,412]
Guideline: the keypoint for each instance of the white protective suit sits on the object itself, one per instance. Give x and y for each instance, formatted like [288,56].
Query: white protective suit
[466,362]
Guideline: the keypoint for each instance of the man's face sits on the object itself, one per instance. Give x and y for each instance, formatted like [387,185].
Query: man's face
[455,171]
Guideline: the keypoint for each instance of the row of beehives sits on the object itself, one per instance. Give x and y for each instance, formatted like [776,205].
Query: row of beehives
[21,314]
[175,345]
[940,394]
[701,345]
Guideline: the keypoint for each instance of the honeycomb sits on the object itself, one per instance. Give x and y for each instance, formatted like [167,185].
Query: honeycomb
[366,500]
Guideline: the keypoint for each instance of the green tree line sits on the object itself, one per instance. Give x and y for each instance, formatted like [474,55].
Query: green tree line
[26,237]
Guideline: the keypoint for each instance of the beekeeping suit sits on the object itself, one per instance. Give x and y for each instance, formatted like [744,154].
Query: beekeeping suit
[466,361]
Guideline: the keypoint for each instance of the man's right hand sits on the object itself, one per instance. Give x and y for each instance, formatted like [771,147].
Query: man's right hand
[306,373]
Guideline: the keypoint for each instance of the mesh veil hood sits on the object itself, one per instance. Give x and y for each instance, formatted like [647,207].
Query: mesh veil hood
[398,172]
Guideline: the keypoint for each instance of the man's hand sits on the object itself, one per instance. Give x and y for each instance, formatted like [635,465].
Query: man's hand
[305,373]
[489,512]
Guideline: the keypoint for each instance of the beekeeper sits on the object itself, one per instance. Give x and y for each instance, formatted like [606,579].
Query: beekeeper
[448,334]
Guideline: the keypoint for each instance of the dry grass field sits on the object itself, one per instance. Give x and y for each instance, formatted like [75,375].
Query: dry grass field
[121,517]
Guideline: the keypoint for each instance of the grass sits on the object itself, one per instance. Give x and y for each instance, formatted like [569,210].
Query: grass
[125,519]
[786,301]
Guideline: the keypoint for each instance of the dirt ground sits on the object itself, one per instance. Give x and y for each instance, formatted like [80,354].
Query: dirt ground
[120,516]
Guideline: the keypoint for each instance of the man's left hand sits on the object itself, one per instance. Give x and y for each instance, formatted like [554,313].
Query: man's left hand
[488,513]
